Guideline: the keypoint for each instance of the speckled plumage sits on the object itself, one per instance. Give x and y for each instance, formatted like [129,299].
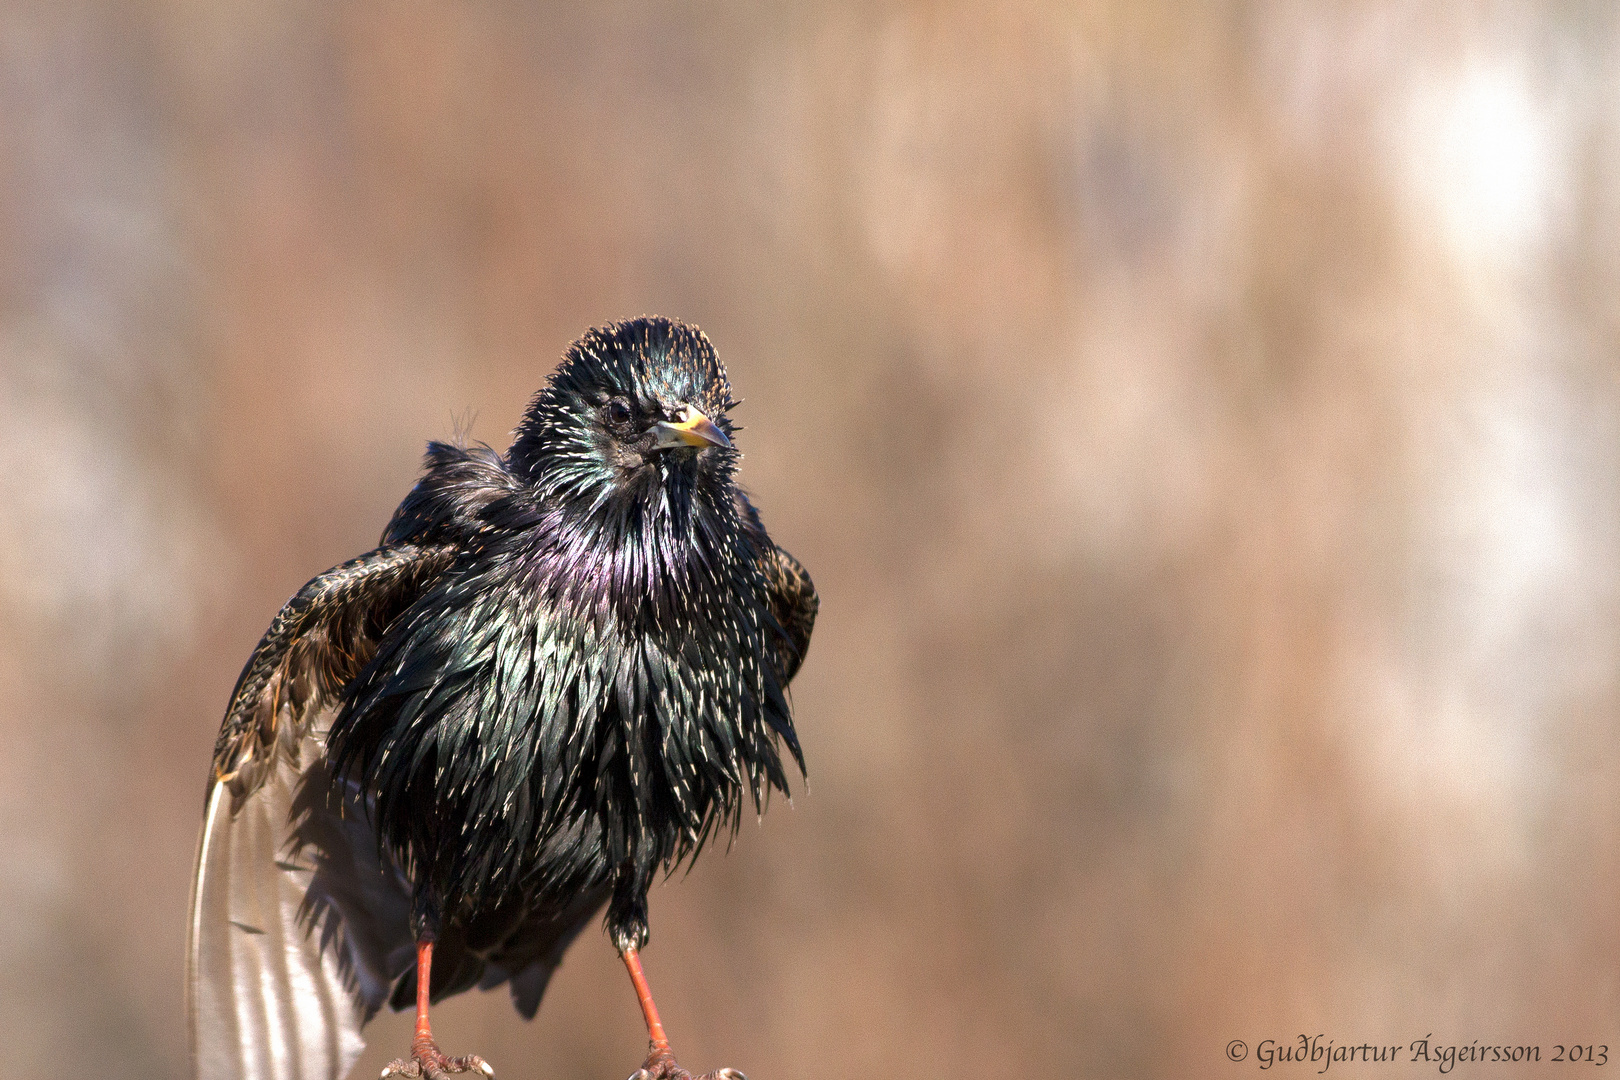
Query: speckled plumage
[591,687]
[564,668]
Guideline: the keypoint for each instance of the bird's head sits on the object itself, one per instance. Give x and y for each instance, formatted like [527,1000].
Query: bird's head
[634,414]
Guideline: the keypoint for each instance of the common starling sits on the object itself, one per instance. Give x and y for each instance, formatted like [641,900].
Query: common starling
[563,669]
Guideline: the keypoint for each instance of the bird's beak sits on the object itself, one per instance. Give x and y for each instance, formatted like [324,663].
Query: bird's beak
[693,429]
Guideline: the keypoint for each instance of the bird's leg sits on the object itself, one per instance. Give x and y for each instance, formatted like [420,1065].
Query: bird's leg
[427,1061]
[660,1064]
[649,1010]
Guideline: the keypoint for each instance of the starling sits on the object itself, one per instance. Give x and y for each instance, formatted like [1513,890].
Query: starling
[563,670]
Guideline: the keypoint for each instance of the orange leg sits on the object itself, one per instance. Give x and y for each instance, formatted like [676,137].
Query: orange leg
[424,987]
[427,1061]
[661,1063]
[655,1027]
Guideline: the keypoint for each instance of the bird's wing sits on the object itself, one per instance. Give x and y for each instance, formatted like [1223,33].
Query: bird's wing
[295,921]
[791,593]
[794,603]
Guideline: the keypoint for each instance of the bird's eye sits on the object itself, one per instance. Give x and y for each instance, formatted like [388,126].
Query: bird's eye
[617,413]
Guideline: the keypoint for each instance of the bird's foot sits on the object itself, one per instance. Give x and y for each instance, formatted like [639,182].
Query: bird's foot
[661,1065]
[427,1062]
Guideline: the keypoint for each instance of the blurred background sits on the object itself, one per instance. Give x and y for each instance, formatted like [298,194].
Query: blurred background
[1202,422]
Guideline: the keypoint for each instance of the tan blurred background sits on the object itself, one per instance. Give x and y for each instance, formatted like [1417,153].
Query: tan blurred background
[1202,422]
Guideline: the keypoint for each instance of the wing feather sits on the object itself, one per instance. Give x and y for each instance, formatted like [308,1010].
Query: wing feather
[790,592]
[794,603]
[296,924]
[266,999]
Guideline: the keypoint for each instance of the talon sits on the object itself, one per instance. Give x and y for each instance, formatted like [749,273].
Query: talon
[429,1063]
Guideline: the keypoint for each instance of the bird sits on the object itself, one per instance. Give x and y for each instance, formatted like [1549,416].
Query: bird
[562,671]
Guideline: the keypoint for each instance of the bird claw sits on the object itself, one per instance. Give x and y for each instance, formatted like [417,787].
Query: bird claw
[661,1065]
[430,1064]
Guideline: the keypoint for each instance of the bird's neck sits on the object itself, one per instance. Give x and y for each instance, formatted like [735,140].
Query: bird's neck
[642,548]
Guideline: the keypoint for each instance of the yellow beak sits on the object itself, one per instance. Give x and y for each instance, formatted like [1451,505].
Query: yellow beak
[693,429]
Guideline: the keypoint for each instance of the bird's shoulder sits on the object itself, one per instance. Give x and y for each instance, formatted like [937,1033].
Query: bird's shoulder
[319,640]
[464,491]
[331,628]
